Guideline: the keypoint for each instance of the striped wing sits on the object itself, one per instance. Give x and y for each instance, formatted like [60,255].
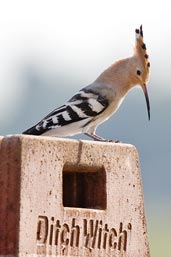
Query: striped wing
[84,105]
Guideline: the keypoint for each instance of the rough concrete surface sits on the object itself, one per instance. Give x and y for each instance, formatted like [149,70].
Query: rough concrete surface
[61,197]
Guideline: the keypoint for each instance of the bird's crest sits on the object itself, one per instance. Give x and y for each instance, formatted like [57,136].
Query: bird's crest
[140,48]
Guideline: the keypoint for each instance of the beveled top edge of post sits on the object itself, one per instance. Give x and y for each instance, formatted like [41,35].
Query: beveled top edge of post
[62,139]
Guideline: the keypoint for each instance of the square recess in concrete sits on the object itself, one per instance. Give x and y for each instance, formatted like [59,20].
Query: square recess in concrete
[81,187]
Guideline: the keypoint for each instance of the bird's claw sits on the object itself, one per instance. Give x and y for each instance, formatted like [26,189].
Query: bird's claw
[112,141]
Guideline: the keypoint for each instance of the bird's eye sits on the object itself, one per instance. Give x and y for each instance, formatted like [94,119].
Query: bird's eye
[138,72]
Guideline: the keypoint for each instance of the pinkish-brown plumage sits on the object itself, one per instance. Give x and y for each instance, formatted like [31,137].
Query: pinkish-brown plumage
[95,103]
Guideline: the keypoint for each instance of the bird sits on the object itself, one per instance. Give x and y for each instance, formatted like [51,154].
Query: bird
[98,101]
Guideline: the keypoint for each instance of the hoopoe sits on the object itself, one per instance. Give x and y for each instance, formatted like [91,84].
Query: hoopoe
[95,103]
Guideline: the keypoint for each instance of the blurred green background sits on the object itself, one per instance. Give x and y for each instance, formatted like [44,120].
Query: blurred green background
[51,49]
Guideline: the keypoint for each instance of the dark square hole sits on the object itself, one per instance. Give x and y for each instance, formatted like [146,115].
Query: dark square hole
[84,187]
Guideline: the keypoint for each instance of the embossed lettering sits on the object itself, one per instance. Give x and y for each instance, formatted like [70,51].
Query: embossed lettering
[75,234]
[100,235]
[106,230]
[58,227]
[89,233]
[112,238]
[42,229]
[122,238]
[51,231]
[64,234]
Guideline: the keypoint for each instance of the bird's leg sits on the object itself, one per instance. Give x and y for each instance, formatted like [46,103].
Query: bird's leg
[98,138]
[95,137]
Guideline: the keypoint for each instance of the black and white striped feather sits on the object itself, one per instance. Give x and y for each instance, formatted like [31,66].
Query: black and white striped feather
[72,117]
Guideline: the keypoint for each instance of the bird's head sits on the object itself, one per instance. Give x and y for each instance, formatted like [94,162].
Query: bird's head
[129,72]
[141,65]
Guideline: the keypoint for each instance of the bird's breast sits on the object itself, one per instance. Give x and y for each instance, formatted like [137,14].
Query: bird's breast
[110,110]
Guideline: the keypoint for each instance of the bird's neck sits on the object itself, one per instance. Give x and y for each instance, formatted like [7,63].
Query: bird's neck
[119,75]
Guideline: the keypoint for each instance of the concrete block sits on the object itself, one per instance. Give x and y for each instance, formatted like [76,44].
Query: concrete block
[61,197]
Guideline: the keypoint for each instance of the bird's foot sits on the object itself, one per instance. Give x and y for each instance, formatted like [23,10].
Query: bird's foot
[101,139]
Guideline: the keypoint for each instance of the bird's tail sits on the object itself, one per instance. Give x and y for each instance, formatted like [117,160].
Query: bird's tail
[33,131]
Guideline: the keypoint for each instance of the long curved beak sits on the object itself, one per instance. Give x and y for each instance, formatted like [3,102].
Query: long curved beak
[144,88]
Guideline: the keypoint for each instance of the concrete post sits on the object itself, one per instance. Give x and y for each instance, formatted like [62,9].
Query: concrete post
[64,197]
